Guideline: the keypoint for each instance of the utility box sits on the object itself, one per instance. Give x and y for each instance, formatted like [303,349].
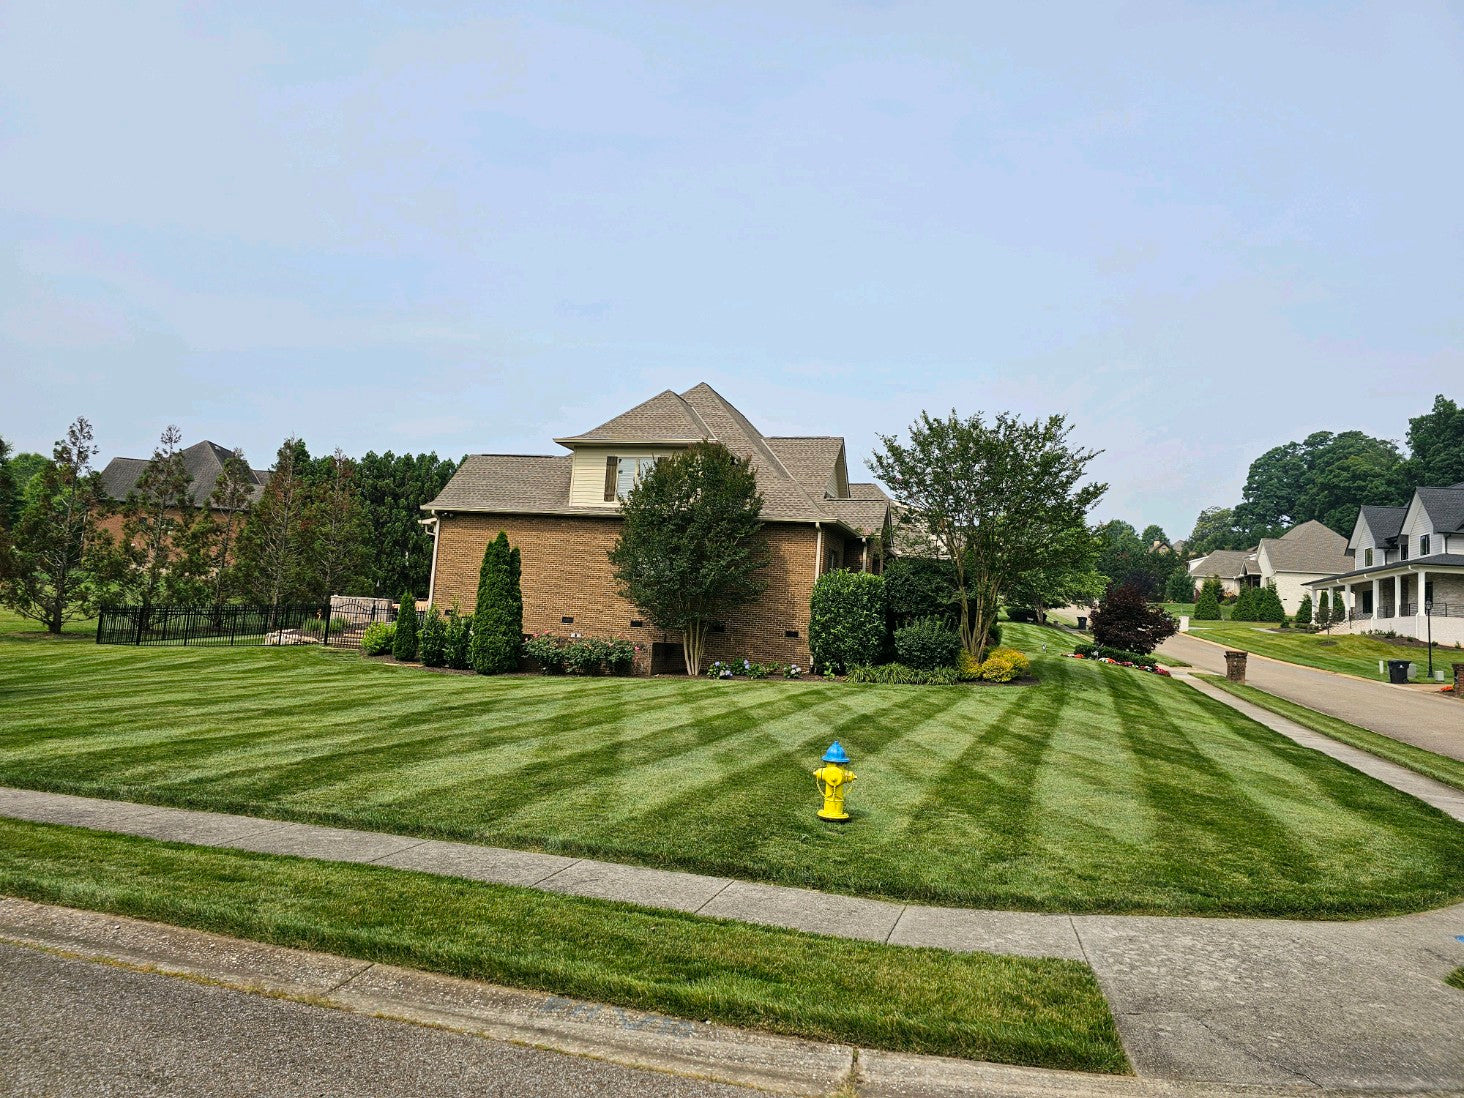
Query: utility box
[1235,666]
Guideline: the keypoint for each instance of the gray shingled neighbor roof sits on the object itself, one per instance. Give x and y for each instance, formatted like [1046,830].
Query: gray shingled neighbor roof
[865,510]
[1384,522]
[203,460]
[1310,547]
[1445,507]
[1439,560]
[792,474]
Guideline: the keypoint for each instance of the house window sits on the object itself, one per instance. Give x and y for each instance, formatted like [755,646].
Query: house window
[1403,548]
[1367,558]
[623,474]
[1423,545]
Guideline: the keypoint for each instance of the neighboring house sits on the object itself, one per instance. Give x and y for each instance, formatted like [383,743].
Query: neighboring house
[1408,568]
[204,462]
[563,513]
[1304,553]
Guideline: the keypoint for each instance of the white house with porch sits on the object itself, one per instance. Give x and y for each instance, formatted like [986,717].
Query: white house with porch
[1411,579]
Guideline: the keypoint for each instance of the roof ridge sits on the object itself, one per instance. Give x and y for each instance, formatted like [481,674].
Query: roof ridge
[759,440]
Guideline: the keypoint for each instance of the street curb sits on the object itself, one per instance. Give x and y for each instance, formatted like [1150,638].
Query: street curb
[1408,688]
[647,1041]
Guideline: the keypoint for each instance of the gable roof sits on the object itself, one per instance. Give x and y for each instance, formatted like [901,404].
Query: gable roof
[1445,507]
[204,461]
[1310,547]
[793,474]
[666,417]
[1384,522]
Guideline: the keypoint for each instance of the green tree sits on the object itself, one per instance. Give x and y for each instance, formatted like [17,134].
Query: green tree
[227,511]
[338,547]
[404,640]
[498,624]
[1180,587]
[393,488]
[1070,578]
[1207,607]
[920,587]
[1324,610]
[273,563]
[1436,445]
[432,646]
[1304,610]
[1324,477]
[1000,498]
[1215,529]
[1339,608]
[61,564]
[155,518]
[689,552]
[1268,605]
[1127,620]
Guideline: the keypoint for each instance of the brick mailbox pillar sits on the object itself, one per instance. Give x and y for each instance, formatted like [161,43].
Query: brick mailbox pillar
[1459,681]
[1235,666]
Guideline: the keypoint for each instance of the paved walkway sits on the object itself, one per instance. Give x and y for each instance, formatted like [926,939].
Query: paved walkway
[1424,718]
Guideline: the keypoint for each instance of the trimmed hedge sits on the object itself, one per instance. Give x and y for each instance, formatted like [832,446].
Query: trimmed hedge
[927,644]
[847,626]
[376,639]
[432,642]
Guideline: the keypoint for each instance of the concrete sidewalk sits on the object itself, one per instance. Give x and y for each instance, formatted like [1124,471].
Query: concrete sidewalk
[1424,718]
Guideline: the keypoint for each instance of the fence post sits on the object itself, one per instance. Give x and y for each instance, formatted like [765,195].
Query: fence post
[100,615]
[325,634]
[138,631]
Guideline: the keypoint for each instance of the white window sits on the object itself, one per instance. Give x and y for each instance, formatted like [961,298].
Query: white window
[629,472]
[1423,545]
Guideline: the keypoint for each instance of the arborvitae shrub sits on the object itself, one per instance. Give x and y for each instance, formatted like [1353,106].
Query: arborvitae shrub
[1339,609]
[1268,606]
[1208,606]
[459,640]
[498,618]
[404,645]
[1304,611]
[432,644]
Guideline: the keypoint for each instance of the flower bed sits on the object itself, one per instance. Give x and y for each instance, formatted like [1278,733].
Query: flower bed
[576,655]
[1152,667]
[752,669]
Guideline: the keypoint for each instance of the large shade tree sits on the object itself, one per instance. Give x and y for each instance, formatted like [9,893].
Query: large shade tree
[689,552]
[1001,498]
[393,488]
[1436,442]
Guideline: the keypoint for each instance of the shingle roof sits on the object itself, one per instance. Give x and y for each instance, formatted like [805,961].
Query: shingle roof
[1310,547]
[203,460]
[792,473]
[1445,507]
[1384,522]
[865,510]
[1225,563]
[666,417]
[512,484]
[1442,560]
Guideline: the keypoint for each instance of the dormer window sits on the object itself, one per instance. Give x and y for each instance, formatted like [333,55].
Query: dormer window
[1367,558]
[623,474]
[1423,545]
[1403,547]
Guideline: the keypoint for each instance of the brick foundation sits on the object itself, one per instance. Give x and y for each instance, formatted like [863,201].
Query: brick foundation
[567,574]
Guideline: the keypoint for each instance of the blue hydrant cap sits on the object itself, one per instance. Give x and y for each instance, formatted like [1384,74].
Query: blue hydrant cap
[836,754]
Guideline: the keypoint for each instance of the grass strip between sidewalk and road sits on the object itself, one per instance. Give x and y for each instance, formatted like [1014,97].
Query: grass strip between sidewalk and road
[1015,1010]
[1440,768]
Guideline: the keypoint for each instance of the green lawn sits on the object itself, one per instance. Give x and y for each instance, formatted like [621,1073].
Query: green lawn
[1187,609]
[1017,1010]
[1353,655]
[1440,768]
[1098,789]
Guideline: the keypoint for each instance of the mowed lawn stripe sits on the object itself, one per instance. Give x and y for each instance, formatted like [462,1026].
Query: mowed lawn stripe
[1097,788]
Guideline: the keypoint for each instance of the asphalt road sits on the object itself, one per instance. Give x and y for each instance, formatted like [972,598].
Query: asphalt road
[71,1027]
[1415,715]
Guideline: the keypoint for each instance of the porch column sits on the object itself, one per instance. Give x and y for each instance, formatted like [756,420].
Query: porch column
[1397,595]
[1377,606]
[1422,594]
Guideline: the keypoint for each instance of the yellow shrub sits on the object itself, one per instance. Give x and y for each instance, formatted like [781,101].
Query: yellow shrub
[1004,665]
[968,670]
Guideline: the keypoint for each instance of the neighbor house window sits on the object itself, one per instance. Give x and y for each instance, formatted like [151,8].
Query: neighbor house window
[1367,558]
[1403,548]
[1423,545]
[623,474]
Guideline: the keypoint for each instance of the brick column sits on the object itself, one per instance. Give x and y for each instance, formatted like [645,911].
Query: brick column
[1459,681]
[1235,666]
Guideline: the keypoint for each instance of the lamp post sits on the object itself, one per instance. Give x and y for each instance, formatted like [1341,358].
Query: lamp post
[1428,615]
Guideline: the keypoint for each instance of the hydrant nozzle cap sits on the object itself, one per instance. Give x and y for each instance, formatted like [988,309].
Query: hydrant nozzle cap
[836,754]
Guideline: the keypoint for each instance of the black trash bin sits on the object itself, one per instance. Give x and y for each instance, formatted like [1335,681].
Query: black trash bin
[1398,671]
[1082,624]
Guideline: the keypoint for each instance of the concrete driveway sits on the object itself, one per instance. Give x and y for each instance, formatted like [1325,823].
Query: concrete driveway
[1424,718]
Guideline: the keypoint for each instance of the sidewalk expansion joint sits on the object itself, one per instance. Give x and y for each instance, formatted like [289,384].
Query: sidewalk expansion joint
[398,850]
[550,876]
[712,897]
[352,977]
[896,924]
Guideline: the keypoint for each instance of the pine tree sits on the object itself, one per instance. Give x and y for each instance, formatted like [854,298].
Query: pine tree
[404,641]
[272,560]
[155,517]
[1208,606]
[338,542]
[1339,609]
[459,640]
[1304,611]
[498,616]
[1324,610]
[1268,605]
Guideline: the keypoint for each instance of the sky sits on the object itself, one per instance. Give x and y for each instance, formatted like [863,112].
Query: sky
[1197,230]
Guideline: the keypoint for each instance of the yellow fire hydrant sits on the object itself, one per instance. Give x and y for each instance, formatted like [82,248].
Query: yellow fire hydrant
[833,780]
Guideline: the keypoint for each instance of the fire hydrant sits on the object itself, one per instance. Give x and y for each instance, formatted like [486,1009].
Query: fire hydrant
[833,780]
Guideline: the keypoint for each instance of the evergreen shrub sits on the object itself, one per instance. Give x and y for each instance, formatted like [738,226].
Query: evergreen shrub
[847,626]
[926,644]
[377,638]
[404,644]
[432,643]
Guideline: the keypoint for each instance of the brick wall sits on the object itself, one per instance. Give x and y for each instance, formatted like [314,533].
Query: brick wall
[566,573]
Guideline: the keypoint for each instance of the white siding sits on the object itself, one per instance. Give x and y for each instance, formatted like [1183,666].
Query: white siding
[587,472]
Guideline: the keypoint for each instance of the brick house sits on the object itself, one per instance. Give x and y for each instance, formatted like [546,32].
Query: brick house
[204,462]
[562,512]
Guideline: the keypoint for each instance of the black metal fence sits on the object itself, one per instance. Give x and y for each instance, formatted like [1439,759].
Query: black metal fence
[338,624]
